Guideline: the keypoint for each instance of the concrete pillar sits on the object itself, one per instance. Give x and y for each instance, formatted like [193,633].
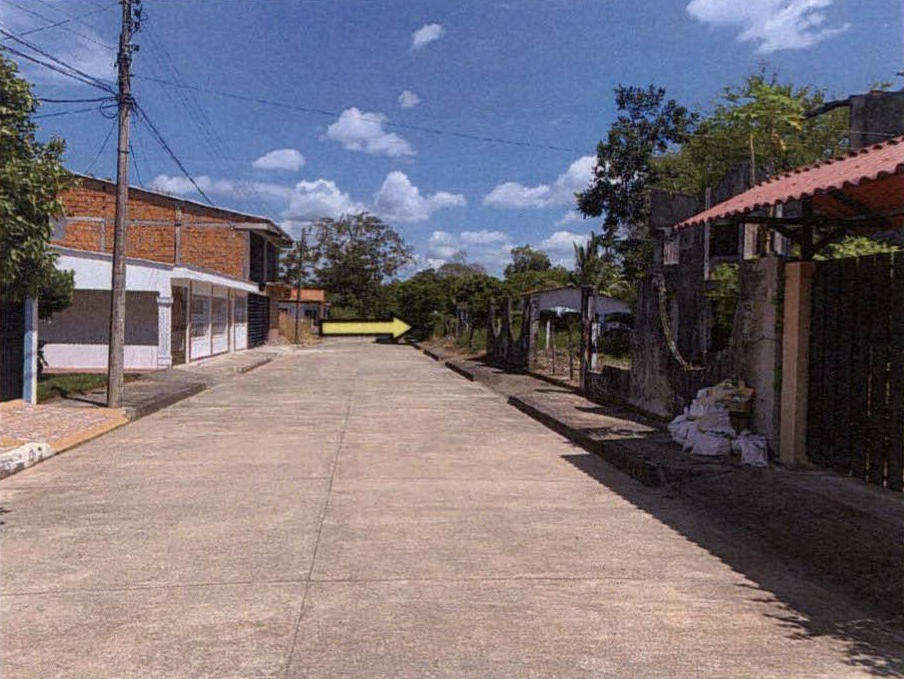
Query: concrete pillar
[30,353]
[795,363]
[164,332]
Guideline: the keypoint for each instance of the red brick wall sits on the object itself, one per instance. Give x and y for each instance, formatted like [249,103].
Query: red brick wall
[214,248]
[220,249]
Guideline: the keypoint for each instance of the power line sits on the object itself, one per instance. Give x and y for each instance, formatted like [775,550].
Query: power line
[334,114]
[102,147]
[61,24]
[201,125]
[171,153]
[45,100]
[66,21]
[64,113]
[72,71]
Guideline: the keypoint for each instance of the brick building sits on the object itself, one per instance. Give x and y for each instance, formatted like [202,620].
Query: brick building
[195,275]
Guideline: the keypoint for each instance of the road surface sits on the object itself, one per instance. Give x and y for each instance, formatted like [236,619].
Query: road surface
[357,510]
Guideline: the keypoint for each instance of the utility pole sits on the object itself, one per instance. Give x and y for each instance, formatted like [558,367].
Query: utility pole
[118,284]
[302,254]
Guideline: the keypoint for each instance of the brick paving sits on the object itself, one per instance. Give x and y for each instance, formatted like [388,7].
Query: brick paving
[46,423]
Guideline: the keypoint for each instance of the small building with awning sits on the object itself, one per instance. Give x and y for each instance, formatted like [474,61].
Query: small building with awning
[842,321]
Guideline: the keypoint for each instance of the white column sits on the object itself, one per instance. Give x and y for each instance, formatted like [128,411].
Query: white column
[30,351]
[164,332]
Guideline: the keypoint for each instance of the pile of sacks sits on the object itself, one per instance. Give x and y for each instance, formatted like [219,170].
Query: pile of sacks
[705,427]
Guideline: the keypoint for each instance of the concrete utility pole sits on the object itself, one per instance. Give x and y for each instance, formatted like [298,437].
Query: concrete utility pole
[116,354]
[302,252]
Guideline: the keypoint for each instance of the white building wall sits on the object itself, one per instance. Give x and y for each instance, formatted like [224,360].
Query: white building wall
[76,338]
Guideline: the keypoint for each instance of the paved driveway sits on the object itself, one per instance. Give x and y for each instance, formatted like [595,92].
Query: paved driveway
[356,510]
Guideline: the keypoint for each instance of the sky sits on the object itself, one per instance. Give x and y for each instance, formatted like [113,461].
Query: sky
[466,125]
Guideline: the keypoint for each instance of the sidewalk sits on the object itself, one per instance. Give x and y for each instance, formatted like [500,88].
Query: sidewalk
[840,531]
[32,433]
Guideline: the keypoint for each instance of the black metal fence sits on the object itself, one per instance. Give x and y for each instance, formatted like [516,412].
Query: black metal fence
[12,334]
[856,393]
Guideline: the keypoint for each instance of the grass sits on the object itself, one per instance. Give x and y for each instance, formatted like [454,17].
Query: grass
[307,334]
[68,384]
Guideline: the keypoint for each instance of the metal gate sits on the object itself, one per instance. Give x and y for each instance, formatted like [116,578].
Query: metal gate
[856,393]
[12,334]
[258,319]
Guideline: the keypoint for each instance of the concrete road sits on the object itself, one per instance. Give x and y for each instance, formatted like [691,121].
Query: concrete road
[357,510]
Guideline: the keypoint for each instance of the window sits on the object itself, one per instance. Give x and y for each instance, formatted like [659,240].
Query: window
[200,312]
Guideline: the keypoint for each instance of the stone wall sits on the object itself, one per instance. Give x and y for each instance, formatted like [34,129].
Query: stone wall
[663,380]
[503,348]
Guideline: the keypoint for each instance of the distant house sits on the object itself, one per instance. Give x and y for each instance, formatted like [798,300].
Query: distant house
[195,275]
[563,300]
[310,306]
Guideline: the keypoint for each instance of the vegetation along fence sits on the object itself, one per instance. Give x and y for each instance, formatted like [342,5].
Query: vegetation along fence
[856,393]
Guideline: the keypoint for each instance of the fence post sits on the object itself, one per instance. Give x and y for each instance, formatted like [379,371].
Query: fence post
[795,363]
[491,329]
[30,353]
[587,302]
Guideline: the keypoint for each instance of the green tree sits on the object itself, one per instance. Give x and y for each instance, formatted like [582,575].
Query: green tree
[762,123]
[357,254]
[648,125]
[855,246]
[424,301]
[32,179]
[526,281]
[297,263]
[458,266]
[526,258]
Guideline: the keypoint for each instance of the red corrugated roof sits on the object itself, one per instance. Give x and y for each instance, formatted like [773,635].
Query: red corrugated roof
[854,173]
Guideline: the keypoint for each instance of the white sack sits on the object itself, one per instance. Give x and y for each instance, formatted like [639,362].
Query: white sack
[711,444]
[753,449]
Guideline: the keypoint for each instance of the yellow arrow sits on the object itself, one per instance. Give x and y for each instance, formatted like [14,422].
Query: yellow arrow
[396,327]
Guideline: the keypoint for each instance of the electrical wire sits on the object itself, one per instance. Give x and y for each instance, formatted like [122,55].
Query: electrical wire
[64,113]
[100,151]
[66,21]
[201,125]
[166,147]
[335,114]
[62,25]
[72,71]
[45,100]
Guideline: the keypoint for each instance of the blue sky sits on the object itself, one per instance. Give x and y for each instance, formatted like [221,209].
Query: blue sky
[358,75]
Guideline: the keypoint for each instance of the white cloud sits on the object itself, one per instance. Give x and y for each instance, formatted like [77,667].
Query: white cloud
[280,159]
[311,200]
[182,185]
[560,246]
[425,35]
[559,192]
[401,201]
[442,245]
[360,131]
[774,24]
[408,99]
[491,249]
[85,52]
[570,217]
[483,237]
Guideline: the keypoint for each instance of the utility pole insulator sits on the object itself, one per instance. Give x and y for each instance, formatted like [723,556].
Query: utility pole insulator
[116,355]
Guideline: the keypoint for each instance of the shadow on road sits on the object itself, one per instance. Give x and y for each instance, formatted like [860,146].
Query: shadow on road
[872,644]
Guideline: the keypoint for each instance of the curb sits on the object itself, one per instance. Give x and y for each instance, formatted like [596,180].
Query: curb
[460,369]
[23,457]
[148,408]
[241,370]
[637,467]
[29,454]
